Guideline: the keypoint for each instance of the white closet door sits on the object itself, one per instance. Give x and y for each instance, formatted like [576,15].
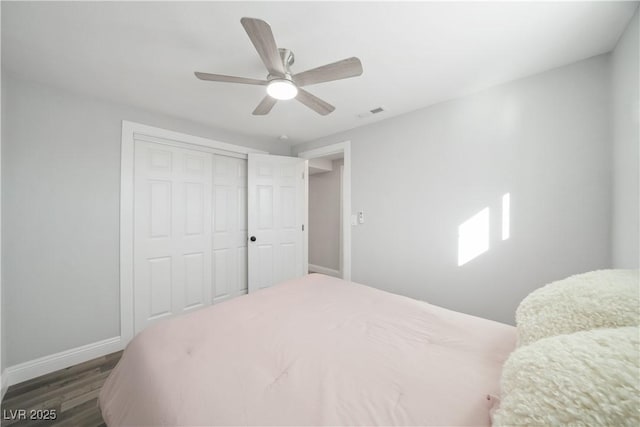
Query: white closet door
[277,212]
[229,227]
[172,211]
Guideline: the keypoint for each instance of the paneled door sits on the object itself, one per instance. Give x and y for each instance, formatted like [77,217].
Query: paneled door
[229,227]
[277,188]
[172,231]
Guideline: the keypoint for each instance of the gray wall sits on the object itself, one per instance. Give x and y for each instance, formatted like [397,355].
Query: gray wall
[3,347]
[60,200]
[324,218]
[544,139]
[626,140]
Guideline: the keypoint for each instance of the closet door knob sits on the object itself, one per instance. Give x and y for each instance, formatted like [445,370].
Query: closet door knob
[252,238]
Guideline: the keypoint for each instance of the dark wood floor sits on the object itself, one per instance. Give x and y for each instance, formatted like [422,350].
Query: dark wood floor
[71,393]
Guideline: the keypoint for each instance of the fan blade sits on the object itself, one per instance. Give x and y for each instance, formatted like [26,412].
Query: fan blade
[262,38]
[265,106]
[229,79]
[315,103]
[350,67]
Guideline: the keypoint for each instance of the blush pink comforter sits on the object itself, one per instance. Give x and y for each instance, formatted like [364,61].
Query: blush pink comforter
[311,351]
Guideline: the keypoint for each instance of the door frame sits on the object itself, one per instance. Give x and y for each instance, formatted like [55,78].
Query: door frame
[132,131]
[345,149]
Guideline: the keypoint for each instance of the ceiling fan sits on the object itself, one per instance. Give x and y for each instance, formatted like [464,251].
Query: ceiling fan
[280,82]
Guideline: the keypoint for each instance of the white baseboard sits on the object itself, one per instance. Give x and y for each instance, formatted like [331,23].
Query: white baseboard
[47,364]
[4,382]
[324,270]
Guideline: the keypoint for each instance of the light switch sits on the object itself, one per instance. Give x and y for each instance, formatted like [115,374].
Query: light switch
[361,217]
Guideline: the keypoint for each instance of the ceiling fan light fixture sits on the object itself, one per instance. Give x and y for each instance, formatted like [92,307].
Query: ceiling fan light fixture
[282,89]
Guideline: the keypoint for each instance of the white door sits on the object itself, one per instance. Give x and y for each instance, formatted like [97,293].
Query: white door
[229,227]
[277,189]
[172,211]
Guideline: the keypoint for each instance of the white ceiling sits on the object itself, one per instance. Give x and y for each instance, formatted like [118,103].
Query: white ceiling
[414,54]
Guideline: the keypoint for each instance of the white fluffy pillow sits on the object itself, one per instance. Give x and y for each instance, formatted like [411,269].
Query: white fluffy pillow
[589,378]
[598,299]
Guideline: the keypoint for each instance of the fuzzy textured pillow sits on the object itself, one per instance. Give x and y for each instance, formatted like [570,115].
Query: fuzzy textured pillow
[598,299]
[588,378]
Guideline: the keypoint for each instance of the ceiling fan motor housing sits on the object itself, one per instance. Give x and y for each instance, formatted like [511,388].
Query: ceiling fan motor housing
[287,57]
[287,61]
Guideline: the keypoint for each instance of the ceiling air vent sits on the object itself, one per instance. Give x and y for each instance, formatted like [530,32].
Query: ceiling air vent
[371,112]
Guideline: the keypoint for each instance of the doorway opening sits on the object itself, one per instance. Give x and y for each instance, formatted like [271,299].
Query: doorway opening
[329,210]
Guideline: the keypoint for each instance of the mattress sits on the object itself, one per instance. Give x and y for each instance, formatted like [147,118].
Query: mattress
[311,351]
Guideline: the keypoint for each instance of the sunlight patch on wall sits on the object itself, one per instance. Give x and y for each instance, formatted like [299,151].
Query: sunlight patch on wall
[473,237]
[506,216]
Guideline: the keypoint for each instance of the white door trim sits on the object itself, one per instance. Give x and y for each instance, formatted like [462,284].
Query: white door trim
[345,149]
[132,131]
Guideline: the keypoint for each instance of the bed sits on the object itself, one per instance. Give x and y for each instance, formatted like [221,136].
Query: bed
[311,351]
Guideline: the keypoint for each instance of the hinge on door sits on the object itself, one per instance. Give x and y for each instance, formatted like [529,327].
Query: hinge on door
[303,175]
[302,227]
